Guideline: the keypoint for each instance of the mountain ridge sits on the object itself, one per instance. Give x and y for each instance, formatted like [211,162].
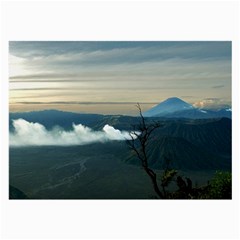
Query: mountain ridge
[177,108]
[169,105]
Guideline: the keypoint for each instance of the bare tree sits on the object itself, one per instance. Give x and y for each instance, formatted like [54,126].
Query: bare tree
[139,143]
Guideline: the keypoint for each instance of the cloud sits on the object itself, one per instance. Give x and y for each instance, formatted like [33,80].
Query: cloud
[43,76]
[73,60]
[112,71]
[86,103]
[188,96]
[91,50]
[35,134]
[212,103]
[218,86]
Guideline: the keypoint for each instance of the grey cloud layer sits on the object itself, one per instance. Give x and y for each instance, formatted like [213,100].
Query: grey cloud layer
[109,71]
[88,103]
[142,50]
[116,61]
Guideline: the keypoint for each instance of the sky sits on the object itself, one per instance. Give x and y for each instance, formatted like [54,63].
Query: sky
[111,77]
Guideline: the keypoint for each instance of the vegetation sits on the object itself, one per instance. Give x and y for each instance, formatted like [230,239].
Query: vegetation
[110,171]
[220,187]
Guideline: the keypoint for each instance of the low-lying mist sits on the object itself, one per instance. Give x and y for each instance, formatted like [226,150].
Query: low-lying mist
[35,134]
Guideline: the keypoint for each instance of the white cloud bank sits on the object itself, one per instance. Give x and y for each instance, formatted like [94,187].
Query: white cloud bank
[35,134]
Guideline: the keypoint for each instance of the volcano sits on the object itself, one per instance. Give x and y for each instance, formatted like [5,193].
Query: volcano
[168,106]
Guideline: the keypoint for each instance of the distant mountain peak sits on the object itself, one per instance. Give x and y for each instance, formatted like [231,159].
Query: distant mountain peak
[170,105]
[173,99]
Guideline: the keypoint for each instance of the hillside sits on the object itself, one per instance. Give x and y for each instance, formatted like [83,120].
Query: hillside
[189,143]
[51,118]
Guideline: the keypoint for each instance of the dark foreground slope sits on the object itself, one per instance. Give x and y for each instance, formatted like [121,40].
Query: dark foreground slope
[15,193]
[192,145]
[196,148]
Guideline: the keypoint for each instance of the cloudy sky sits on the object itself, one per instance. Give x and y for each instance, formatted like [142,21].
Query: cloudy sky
[110,77]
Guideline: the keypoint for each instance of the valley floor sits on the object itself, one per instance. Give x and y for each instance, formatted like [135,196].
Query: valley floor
[95,171]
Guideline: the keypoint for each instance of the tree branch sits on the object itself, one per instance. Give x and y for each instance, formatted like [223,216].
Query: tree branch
[141,151]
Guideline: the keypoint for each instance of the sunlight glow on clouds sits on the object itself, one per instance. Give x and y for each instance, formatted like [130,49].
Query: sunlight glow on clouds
[118,72]
[210,103]
[17,66]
